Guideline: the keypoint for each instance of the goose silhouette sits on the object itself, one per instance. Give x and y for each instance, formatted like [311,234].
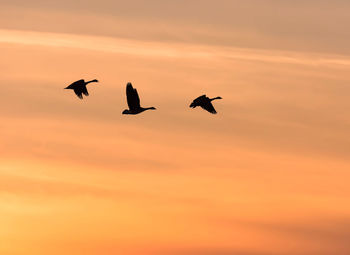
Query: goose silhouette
[79,87]
[134,101]
[205,102]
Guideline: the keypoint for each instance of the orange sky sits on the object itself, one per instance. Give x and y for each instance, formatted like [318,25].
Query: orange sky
[268,175]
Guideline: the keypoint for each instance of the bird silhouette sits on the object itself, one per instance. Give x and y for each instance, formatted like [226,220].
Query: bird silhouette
[134,101]
[205,102]
[79,87]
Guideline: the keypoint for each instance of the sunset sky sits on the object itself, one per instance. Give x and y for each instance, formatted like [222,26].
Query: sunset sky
[268,175]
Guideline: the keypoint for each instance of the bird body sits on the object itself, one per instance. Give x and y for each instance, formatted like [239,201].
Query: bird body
[205,102]
[79,87]
[134,101]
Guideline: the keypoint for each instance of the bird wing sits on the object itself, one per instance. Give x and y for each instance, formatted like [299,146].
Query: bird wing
[208,106]
[79,93]
[132,97]
[77,83]
[85,91]
[80,81]
[198,101]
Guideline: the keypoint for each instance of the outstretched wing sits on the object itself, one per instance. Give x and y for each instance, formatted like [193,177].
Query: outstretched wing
[78,92]
[132,97]
[198,101]
[208,106]
[76,84]
[84,90]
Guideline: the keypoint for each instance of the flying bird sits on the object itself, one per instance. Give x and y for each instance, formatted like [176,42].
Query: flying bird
[134,101]
[205,102]
[79,87]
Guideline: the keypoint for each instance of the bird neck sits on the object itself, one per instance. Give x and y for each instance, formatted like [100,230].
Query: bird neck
[215,98]
[148,108]
[91,81]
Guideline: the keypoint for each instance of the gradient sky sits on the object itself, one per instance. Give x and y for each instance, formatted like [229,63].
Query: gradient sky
[268,175]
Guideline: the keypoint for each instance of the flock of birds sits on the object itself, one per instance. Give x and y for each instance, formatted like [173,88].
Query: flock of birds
[133,99]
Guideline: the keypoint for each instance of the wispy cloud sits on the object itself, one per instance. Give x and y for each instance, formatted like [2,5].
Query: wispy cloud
[266,176]
[167,50]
